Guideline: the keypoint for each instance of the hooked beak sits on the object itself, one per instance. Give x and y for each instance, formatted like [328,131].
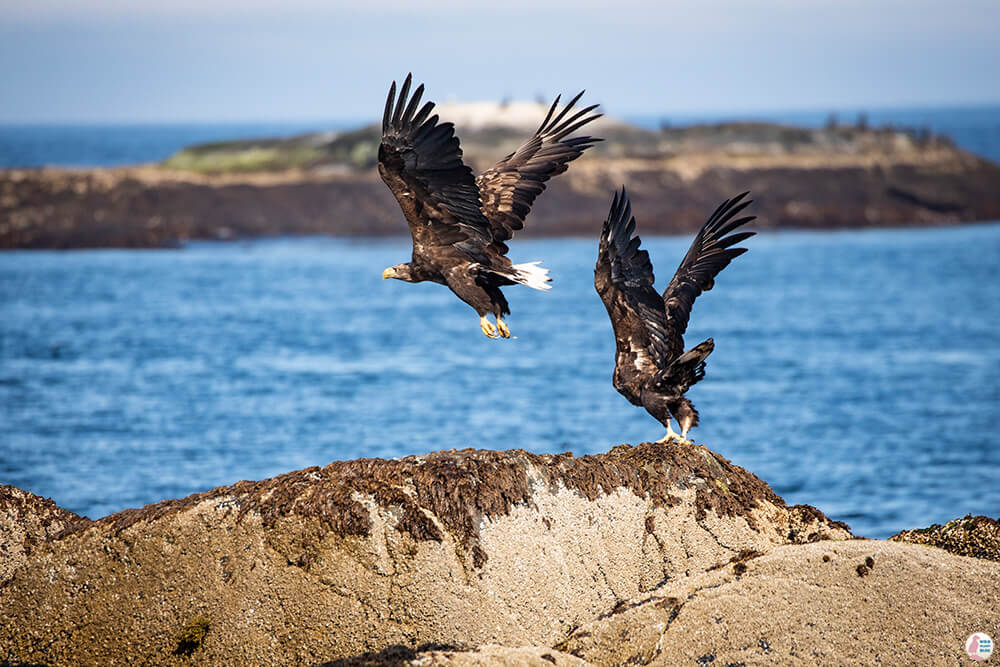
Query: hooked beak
[388,273]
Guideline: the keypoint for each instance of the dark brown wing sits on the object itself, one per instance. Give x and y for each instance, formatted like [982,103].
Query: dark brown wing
[421,161]
[710,252]
[509,189]
[624,279]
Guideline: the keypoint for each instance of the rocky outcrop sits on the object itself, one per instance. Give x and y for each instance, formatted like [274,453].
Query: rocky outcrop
[828,603]
[457,549]
[812,178]
[976,536]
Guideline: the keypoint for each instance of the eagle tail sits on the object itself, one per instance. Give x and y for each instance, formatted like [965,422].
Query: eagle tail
[692,362]
[531,274]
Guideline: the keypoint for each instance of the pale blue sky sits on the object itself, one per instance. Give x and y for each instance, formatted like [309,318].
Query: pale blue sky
[249,60]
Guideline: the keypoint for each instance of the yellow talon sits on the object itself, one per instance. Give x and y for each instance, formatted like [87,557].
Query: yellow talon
[487,327]
[502,326]
[674,436]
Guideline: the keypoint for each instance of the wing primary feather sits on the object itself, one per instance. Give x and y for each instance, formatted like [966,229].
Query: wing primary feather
[510,188]
[412,106]
[581,142]
[403,92]
[624,279]
[730,226]
[711,251]
[565,110]
[388,107]
[421,159]
[735,238]
[560,130]
[548,115]
[422,115]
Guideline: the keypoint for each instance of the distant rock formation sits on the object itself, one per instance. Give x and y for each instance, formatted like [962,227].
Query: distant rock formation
[452,549]
[828,177]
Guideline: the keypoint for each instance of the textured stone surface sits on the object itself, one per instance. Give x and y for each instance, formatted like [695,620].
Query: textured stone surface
[493,654]
[976,536]
[806,604]
[26,520]
[454,548]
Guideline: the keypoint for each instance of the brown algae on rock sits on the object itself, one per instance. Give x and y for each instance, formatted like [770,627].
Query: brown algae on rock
[192,635]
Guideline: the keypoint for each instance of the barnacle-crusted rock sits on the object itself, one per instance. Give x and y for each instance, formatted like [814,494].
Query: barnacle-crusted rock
[456,548]
[26,520]
[976,536]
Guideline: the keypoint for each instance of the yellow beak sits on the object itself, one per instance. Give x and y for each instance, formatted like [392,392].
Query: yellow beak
[388,273]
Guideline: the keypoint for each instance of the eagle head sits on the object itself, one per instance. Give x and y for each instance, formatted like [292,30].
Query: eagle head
[399,272]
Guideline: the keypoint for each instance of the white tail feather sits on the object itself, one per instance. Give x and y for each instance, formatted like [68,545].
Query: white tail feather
[532,275]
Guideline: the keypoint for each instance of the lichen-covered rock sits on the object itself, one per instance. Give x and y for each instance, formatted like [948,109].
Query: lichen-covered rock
[975,536]
[454,548]
[26,520]
[806,604]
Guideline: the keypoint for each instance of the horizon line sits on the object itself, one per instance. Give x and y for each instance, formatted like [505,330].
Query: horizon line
[646,115]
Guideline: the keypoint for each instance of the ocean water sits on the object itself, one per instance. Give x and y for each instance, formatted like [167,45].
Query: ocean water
[976,129]
[855,371]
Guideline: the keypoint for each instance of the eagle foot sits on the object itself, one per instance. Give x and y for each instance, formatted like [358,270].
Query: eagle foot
[487,327]
[676,437]
[502,326]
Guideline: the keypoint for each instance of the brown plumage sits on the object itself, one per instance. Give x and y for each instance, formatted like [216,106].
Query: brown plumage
[651,367]
[460,224]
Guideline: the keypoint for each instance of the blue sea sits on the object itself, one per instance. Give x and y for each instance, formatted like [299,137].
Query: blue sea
[855,371]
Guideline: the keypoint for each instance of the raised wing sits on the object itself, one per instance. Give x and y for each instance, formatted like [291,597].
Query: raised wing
[710,252]
[509,189]
[421,161]
[624,279]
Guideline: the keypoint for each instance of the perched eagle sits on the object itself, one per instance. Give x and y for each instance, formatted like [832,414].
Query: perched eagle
[651,367]
[460,223]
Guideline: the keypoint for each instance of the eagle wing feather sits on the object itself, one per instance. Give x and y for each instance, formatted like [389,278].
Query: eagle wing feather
[624,279]
[710,252]
[509,189]
[420,159]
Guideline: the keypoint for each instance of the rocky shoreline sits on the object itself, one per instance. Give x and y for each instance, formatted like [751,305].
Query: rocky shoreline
[654,554]
[839,177]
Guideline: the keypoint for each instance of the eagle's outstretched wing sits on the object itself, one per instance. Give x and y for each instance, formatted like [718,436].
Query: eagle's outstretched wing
[624,279]
[509,189]
[421,161]
[710,252]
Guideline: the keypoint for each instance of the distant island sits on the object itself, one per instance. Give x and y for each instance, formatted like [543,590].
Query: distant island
[837,176]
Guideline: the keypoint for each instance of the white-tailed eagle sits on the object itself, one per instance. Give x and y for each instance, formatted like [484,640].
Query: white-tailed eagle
[460,223]
[651,367]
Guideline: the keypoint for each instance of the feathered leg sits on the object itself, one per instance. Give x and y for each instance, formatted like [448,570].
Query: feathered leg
[687,416]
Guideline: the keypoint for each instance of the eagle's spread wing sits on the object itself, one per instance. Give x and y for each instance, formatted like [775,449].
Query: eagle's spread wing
[710,252]
[509,189]
[624,279]
[421,161]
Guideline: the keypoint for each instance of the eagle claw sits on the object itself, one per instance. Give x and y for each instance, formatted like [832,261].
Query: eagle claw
[504,329]
[488,327]
[677,437]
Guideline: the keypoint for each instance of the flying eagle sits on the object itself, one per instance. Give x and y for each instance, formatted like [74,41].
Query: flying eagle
[651,367]
[460,223]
